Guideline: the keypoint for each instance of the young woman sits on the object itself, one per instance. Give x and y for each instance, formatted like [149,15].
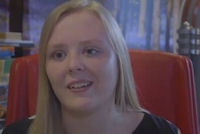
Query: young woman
[86,84]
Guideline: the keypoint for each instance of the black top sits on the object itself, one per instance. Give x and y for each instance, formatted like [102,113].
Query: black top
[150,124]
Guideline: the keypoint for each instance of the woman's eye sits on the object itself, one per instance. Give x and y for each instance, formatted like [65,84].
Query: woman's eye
[91,51]
[59,55]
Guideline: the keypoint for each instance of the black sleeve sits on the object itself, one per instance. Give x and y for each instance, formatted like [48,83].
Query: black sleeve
[20,127]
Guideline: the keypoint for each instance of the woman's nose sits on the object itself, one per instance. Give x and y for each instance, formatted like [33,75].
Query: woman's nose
[75,64]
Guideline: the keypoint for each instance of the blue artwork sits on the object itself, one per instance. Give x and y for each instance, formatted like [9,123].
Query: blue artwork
[4,15]
[127,12]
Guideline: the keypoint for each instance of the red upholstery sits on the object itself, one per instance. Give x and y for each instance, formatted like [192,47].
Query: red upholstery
[22,92]
[165,84]
[32,82]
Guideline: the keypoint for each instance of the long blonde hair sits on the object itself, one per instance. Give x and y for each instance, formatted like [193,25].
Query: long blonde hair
[48,117]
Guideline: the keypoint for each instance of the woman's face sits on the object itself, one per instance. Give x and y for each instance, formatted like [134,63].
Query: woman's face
[81,64]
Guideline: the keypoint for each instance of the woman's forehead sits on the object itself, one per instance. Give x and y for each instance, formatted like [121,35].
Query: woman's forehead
[86,15]
[82,24]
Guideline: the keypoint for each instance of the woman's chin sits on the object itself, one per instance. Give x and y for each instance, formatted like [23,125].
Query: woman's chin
[83,107]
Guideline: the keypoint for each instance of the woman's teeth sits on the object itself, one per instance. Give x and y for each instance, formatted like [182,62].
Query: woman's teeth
[79,85]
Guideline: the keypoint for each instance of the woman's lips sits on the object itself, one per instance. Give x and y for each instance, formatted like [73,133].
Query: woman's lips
[79,86]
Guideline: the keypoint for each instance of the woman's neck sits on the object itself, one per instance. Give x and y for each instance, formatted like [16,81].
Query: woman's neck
[106,121]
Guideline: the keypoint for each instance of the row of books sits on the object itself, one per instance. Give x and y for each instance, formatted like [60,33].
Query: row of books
[8,42]
[14,39]
[5,66]
[6,51]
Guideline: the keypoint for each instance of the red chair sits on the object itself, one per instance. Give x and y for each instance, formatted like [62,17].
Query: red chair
[32,82]
[23,85]
[17,89]
[165,84]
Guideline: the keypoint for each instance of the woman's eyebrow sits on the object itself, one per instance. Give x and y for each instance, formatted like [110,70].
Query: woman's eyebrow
[85,42]
[92,41]
[57,45]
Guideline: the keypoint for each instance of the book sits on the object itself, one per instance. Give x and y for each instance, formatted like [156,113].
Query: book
[11,35]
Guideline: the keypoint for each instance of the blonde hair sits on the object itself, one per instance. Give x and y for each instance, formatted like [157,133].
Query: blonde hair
[48,117]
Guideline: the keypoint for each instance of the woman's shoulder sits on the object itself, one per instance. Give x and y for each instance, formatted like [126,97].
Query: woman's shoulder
[163,124]
[156,125]
[19,127]
[149,124]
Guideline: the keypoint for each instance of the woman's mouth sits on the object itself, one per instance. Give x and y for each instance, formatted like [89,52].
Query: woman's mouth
[79,86]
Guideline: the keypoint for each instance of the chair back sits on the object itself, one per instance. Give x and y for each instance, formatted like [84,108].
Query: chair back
[164,81]
[166,87]
[23,85]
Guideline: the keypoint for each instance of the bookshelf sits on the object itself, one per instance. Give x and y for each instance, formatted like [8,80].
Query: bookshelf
[16,43]
[18,48]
